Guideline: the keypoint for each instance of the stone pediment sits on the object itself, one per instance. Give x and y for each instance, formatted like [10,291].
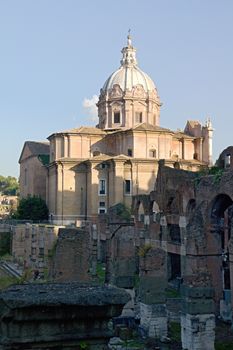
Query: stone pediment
[138,91]
[116,91]
[34,148]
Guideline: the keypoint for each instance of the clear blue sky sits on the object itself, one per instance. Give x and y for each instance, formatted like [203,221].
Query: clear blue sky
[56,53]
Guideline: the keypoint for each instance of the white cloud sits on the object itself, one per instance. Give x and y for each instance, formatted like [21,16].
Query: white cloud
[90,107]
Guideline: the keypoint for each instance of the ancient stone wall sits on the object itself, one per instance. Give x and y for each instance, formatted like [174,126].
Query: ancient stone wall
[72,260]
[33,244]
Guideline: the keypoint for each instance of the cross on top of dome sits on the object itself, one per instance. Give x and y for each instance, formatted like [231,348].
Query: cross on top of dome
[129,39]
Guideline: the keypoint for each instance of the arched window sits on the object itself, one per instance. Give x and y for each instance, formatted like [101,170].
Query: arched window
[152,153]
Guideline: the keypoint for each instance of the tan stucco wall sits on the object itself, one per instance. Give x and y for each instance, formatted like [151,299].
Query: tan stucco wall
[32,179]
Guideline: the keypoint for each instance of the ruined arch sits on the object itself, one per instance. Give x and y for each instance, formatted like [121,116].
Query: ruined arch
[154,209]
[220,220]
[141,212]
[190,206]
[218,207]
[169,203]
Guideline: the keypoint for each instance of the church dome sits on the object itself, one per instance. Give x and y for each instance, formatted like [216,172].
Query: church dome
[129,75]
[129,96]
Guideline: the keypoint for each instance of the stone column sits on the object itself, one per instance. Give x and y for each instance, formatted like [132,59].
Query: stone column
[93,189]
[197,318]
[153,265]
[183,149]
[118,182]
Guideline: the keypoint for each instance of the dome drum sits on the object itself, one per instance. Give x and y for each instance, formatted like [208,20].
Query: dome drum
[128,82]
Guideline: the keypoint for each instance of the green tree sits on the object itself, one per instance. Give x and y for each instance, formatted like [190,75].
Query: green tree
[31,208]
[9,185]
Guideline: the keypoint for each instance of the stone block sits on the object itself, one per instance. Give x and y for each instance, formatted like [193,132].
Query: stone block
[197,332]
[151,290]
[198,306]
[154,320]
[61,316]
[197,292]
[124,281]
[225,311]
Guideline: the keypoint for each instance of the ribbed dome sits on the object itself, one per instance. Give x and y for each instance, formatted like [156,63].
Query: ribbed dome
[129,74]
[128,77]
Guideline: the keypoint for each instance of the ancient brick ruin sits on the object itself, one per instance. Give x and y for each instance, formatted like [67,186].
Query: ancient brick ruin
[177,236]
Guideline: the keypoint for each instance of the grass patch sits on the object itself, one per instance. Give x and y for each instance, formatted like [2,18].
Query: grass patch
[6,257]
[133,344]
[174,331]
[172,293]
[215,171]
[100,272]
[52,251]
[27,276]
[143,250]
[224,346]
[5,243]
[7,281]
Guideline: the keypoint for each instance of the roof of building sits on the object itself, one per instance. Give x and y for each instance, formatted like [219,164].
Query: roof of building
[82,130]
[149,127]
[181,134]
[141,127]
[38,147]
[193,123]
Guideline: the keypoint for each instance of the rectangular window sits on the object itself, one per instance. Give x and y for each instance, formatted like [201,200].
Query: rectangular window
[152,153]
[41,251]
[130,152]
[102,210]
[117,117]
[101,204]
[102,187]
[127,187]
[138,117]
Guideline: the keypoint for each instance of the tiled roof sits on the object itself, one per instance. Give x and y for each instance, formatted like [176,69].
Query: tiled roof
[183,134]
[85,130]
[38,148]
[146,126]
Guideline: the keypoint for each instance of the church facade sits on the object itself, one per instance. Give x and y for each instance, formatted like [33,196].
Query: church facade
[93,168]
